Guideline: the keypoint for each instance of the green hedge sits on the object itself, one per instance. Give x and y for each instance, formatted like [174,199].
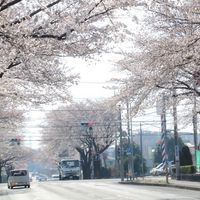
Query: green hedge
[188,169]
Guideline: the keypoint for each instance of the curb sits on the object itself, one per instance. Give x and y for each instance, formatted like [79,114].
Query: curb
[162,185]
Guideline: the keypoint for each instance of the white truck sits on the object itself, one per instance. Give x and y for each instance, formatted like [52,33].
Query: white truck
[69,169]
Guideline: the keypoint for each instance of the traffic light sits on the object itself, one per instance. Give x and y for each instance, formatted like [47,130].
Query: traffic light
[15,141]
[87,125]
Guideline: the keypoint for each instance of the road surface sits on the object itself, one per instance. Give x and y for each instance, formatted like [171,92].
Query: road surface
[94,190]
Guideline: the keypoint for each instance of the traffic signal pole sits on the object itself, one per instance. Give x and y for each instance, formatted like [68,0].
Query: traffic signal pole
[194,121]
[130,156]
[177,156]
[141,149]
[121,147]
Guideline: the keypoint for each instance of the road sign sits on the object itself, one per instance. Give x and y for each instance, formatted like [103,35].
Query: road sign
[129,151]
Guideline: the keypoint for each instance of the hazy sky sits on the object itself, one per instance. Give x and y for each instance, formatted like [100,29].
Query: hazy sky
[94,77]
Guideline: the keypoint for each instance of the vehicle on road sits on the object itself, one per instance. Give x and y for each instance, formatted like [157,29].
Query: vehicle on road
[69,169]
[41,177]
[18,177]
[55,176]
[158,170]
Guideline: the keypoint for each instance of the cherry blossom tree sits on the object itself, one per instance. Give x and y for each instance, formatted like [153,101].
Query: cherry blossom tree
[166,55]
[10,137]
[36,35]
[35,39]
[87,128]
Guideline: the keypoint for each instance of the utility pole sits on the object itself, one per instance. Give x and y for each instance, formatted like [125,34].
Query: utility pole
[128,120]
[92,151]
[177,156]
[129,152]
[194,121]
[132,153]
[121,146]
[116,157]
[141,149]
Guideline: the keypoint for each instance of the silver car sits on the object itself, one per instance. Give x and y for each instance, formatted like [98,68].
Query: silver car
[19,177]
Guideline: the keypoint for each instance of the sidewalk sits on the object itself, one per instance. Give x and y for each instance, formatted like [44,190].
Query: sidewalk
[161,181]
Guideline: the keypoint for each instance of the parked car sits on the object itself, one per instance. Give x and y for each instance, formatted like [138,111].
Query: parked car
[19,177]
[55,177]
[41,177]
[158,170]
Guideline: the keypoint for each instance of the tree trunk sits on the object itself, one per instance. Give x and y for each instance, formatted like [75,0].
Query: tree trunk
[86,171]
[86,163]
[97,166]
[0,174]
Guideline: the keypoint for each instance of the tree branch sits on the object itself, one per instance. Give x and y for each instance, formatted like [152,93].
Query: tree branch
[96,5]
[175,19]
[2,2]
[2,34]
[31,14]
[6,6]
[63,36]
[96,15]
[13,64]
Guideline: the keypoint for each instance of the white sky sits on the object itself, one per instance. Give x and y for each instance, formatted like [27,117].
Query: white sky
[94,76]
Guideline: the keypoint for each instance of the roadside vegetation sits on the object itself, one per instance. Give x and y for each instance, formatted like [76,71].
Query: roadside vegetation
[36,38]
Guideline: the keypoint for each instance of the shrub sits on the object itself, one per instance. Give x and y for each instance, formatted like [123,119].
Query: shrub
[188,169]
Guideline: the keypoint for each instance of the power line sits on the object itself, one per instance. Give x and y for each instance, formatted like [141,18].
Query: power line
[60,138]
[95,82]
[78,125]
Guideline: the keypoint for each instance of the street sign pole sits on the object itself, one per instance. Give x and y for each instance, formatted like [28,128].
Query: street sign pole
[177,156]
[121,147]
[141,149]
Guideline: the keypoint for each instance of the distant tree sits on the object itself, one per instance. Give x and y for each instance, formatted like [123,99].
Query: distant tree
[10,137]
[137,156]
[170,148]
[185,156]
[184,152]
[11,156]
[81,130]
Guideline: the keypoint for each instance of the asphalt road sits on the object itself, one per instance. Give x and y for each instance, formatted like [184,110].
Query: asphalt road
[94,190]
